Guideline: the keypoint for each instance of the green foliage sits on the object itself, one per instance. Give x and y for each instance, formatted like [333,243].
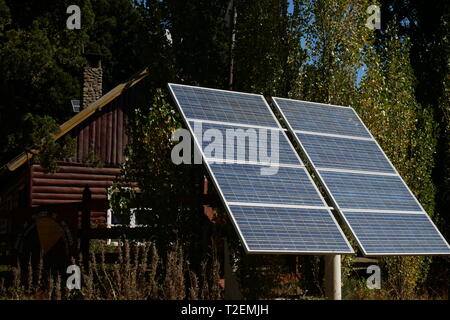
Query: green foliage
[163,187]
[200,40]
[406,133]
[428,28]
[92,159]
[39,66]
[37,138]
[268,53]
[336,34]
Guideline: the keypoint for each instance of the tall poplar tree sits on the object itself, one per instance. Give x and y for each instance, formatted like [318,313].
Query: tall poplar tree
[405,131]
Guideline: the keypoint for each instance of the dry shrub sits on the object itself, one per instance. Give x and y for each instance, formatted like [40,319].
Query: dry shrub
[138,274]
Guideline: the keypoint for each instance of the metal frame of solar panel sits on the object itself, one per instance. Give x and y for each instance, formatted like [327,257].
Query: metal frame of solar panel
[369,193]
[282,213]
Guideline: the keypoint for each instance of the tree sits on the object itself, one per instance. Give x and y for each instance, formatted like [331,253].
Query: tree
[335,39]
[40,63]
[405,131]
[37,139]
[268,53]
[427,27]
[166,192]
[199,41]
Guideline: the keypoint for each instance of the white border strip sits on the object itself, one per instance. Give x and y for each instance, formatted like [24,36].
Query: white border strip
[276,205]
[344,210]
[333,135]
[312,102]
[233,124]
[375,173]
[265,164]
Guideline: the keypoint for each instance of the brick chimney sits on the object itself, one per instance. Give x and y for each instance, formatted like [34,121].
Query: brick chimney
[92,80]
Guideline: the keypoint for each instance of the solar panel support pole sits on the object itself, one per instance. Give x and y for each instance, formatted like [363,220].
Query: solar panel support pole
[333,277]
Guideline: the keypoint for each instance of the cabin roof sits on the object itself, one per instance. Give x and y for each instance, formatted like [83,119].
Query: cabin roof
[80,117]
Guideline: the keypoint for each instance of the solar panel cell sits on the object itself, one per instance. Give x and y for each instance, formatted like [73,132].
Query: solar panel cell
[394,233]
[288,229]
[316,117]
[367,191]
[245,143]
[244,183]
[342,153]
[223,106]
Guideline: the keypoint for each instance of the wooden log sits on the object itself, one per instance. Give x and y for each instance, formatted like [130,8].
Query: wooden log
[79,145]
[61,182]
[103,123]
[66,196]
[82,169]
[92,135]
[98,133]
[42,202]
[50,189]
[113,136]
[86,134]
[124,131]
[72,176]
[120,128]
[108,137]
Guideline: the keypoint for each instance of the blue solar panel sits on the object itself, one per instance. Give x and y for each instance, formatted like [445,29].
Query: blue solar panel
[316,117]
[289,229]
[244,183]
[367,191]
[274,208]
[223,106]
[342,153]
[394,233]
[255,143]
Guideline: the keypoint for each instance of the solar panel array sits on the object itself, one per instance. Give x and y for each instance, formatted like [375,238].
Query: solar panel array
[372,198]
[281,212]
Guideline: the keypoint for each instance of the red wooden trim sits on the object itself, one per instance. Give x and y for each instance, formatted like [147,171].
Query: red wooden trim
[120,147]
[108,137]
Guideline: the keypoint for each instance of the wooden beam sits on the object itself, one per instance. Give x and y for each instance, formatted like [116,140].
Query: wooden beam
[59,189]
[82,169]
[71,182]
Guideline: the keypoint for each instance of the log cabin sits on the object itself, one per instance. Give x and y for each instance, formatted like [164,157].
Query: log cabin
[99,129]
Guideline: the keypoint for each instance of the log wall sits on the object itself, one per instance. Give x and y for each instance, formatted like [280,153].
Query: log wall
[67,185]
[103,136]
